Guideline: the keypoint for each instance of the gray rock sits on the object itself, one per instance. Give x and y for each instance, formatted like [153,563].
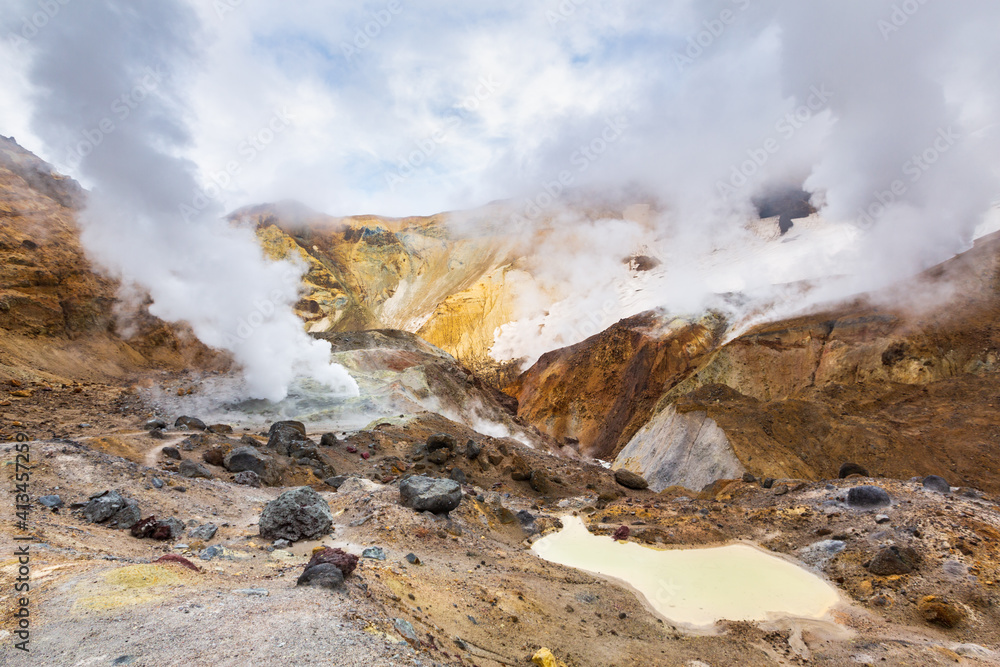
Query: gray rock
[173,526]
[103,506]
[247,478]
[154,424]
[820,553]
[281,544]
[767,482]
[336,481]
[935,483]
[329,440]
[441,441]
[221,429]
[374,553]
[190,443]
[51,502]
[215,551]
[283,436]
[297,514]
[171,453]
[158,434]
[882,518]
[427,494]
[252,592]
[472,449]
[190,423]
[458,475]
[406,631]
[324,575]
[247,458]
[157,482]
[249,440]
[866,497]
[193,469]
[749,478]
[127,516]
[204,532]
[630,480]
[894,560]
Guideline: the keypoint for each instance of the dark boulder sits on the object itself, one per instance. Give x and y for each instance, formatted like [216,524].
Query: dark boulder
[220,429]
[935,483]
[127,516]
[204,532]
[247,458]
[216,455]
[284,437]
[144,528]
[630,480]
[344,561]
[323,576]
[190,423]
[866,497]
[103,506]
[427,494]
[171,453]
[472,449]
[297,514]
[848,469]
[168,529]
[329,440]
[155,424]
[193,469]
[539,481]
[441,441]
[894,560]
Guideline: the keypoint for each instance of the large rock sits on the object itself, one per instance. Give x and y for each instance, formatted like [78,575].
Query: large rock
[190,423]
[127,516]
[441,441]
[103,506]
[324,575]
[680,449]
[344,561]
[247,458]
[935,483]
[297,514]
[193,469]
[284,437]
[894,560]
[848,469]
[867,497]
[427,494]
[630,480]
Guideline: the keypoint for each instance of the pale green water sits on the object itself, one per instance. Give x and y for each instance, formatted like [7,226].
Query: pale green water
[696,587]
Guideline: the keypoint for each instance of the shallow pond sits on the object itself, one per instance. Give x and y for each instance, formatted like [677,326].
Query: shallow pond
[696,587]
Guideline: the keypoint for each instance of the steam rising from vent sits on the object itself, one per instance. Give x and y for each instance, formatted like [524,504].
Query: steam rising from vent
[107,100]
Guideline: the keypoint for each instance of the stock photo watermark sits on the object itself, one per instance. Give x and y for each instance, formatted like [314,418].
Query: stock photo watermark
[426,147]
[787,126]
[899,17]
[913,169]
[21,598]
[370,31]
[248,150]
[701,42]
[582,158]
[36,22]
[564,11]
[119,111]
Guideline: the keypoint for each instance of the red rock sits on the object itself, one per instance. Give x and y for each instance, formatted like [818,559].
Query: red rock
[622,533]
[344,561]
[179,560]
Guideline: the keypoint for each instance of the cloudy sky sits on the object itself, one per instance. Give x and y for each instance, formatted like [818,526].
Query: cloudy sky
[411,107]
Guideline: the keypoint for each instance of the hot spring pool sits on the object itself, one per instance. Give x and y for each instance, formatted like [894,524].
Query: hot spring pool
[696,587]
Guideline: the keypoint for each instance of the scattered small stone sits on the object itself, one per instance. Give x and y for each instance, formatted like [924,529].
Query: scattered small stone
[938,484]
[260,592]
[779,489]
[155,424]
[622,533]
[296,514]
[157,482]
[282,544]
[247,478]
[406,631]
[52,502]
[749,478]
[630,480]
[412,559]
[215,551]
[848,469]
[220,429]
[472,449]
[374,553]
[329,440]
[123,660]
[171,453]
[190,423]
[866,497]
[882,518]
[458,475]
[158,434]
[204,533]
[767,483]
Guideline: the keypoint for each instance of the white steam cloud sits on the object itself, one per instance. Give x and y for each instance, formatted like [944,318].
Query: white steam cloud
[108,98]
